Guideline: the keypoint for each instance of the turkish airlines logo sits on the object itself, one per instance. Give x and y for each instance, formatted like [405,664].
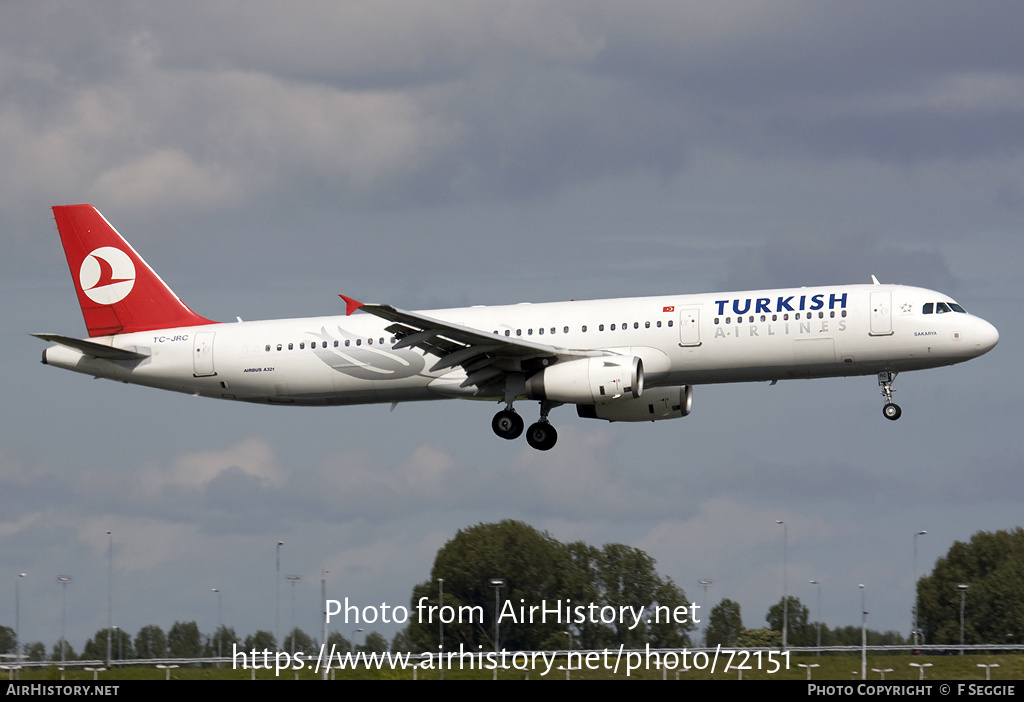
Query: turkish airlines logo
[107,275]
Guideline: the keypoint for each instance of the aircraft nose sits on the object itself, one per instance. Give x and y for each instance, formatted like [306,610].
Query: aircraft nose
[986,336]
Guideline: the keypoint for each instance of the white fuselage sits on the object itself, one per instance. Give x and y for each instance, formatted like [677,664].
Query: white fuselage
[682,340]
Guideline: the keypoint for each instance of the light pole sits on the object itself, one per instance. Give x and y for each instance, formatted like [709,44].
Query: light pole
[220,621]
[277,590]
[497,584]
[785,581]
[808,666]
[863,636]
[962,587]
[881,671]
[440,635]
[63,580]
[293,579]
[17,615]
[706,583]
[988,669]
[110,592]
[916,534]
[323,598]
[920,667]
[568,658]
[818,584]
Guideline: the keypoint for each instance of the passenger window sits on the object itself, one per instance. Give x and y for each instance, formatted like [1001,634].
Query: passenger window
[565,330]
[279,347]
[268,347]
[291,346]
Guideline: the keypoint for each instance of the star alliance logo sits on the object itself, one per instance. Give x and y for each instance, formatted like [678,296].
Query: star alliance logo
[107,275]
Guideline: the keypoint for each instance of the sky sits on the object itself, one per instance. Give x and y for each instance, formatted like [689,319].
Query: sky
[265,157]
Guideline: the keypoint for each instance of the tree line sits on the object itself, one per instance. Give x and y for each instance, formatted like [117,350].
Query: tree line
[493,570]
[183,640]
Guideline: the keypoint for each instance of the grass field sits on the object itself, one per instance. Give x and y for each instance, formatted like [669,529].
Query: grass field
[832,667]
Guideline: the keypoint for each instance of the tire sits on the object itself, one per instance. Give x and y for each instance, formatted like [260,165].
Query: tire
[892,411]
[507,424]
[541,436]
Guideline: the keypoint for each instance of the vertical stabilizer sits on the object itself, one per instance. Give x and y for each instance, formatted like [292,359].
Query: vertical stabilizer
[118,291]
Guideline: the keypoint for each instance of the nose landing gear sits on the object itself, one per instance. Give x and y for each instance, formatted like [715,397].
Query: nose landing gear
[886,380]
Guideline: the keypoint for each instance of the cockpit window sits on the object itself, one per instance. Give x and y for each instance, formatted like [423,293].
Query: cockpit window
[942,308]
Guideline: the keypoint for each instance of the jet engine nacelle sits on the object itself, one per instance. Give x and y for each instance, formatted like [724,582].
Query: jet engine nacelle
[659,403]
[589,381]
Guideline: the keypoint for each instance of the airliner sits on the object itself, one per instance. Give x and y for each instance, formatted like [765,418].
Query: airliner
[621,360]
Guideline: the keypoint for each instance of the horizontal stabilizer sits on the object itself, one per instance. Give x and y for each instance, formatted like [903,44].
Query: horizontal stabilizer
[91,348]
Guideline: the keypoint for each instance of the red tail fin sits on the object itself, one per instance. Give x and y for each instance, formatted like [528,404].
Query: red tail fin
[118,291]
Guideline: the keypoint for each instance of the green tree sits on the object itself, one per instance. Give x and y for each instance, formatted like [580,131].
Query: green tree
[8,641]
[67,654]
[120,646]
[222,641]
[340,643]
[759,638]
[300,639]
[400,643]
[539,571]
[260,640]
[798,632]
[184,640]
[151,642]
[35,651]
[992,566]
[724,624]
[532,565]
[374,643]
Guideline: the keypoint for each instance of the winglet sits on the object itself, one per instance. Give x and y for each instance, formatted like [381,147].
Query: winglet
[874,280]
[350,305]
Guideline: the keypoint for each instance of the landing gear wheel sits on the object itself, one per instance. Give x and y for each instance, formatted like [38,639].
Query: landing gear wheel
[507,424]
[892,411]
[541,436]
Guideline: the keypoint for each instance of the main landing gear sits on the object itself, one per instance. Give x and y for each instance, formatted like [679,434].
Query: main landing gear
[886,380]
[541,435]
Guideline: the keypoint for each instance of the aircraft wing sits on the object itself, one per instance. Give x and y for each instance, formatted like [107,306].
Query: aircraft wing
[484,355]
[91,348]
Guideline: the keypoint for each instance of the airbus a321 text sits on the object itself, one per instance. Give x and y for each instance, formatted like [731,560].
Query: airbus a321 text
[622,360]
